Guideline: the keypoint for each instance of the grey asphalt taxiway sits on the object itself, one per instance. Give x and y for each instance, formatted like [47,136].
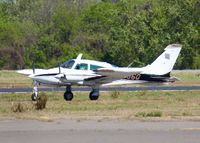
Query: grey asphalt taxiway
[87,89]
[86,131]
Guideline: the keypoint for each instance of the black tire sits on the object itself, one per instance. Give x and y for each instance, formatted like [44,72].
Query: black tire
[68,96]
[94,95]
[33,97]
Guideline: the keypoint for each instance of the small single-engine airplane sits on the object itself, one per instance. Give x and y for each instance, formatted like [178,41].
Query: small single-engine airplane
[95,74]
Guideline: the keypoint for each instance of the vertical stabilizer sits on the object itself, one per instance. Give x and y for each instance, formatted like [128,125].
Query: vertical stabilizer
[165,62]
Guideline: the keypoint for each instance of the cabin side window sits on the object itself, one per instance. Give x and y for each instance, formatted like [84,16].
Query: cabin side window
[94,67]
[82,66]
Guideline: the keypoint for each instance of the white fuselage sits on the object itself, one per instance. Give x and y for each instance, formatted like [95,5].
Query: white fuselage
[71,75]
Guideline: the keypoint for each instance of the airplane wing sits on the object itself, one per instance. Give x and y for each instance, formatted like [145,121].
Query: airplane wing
[107,75]
[118,73]
[30,71]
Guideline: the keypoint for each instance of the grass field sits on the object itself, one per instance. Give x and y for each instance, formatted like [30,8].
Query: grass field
[189,78]
[118,105]
[10,79]
[160,105]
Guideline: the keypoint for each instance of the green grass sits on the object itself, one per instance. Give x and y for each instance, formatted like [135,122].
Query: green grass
[187,76]
[123,105]
[128,105]
[150,114]
[12,79]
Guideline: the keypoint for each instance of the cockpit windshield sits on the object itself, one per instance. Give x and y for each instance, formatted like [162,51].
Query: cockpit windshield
[69,64]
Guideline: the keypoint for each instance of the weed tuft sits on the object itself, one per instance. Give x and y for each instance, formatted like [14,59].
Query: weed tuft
[115,94]
[186,114]
[41,101]
[141,94]
[17,107]
[168,94]
[149,114]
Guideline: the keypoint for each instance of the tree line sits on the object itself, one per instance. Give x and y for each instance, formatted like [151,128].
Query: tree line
[121,32]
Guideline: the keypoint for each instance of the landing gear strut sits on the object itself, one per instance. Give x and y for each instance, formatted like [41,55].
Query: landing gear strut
[35,91]
[94,94]
[68,95]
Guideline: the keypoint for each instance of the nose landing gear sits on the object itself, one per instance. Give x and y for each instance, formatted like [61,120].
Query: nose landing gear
[35,91]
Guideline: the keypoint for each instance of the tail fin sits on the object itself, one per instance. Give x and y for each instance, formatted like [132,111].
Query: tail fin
[165,62]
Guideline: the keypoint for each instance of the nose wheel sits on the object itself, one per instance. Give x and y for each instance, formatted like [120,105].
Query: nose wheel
[94,94]
[68,95]
[34,97]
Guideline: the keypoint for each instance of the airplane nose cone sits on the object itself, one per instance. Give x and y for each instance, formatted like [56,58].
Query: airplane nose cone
[44,79]
[36,77]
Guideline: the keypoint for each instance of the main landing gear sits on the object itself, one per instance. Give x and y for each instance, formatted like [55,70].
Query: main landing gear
[94,94]
[68,95]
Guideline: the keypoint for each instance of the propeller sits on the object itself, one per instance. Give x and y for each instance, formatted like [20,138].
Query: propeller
[60,75]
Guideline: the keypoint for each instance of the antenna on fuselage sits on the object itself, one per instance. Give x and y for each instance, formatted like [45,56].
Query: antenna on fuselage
[129,65]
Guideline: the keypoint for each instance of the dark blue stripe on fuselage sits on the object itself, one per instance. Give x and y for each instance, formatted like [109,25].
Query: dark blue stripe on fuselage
[52,74]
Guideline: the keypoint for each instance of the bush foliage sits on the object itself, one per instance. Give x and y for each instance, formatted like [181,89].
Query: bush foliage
[117,31]
[41,101]
[17,107]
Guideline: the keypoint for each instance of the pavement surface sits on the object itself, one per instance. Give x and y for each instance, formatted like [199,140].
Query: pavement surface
[87,89]
[90,131]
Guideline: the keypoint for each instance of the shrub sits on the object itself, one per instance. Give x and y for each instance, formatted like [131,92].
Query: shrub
[142,93]
[115,94]
[154,114]
[150,114]
[17,107]
[41,101]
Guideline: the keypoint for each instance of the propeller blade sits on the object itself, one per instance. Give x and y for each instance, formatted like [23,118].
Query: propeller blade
[59,69]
